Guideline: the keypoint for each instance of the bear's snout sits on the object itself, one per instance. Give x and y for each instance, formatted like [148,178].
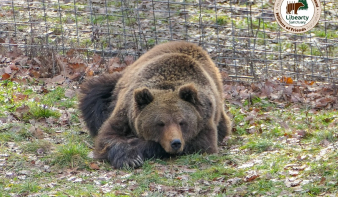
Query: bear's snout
[172,140]
[176,144]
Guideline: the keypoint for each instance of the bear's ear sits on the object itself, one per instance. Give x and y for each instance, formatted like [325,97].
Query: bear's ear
[189,93]
[143,97]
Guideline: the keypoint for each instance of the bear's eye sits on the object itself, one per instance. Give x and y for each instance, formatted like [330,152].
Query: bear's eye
[182,123]
[160,124]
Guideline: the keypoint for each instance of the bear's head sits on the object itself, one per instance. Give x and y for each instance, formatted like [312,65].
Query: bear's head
[168,117]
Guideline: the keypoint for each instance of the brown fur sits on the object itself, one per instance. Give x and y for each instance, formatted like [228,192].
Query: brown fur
[167,102]
[97,101]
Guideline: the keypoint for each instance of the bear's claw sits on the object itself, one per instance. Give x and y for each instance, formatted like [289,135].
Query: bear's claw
[138,162]
[125,157]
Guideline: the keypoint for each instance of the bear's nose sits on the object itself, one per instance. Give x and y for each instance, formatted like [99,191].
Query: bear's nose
[176,144]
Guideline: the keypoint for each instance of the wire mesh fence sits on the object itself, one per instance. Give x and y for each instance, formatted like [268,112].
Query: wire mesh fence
[241,36]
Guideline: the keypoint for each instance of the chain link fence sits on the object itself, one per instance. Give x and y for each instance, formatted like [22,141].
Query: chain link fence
[242,36]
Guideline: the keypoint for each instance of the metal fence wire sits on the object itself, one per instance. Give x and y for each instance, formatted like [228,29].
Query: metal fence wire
[241,36]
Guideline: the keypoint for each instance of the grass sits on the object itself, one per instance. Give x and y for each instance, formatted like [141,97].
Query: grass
[70,155]
[151,42]
[12,98]
[34,146]
[38,111]
[10,8]
[57,29]
[266,150]
[27,187]
[102,19]
[330,34]
[244,23]
[258,146]
[303,48]
[223,20]
[14,132]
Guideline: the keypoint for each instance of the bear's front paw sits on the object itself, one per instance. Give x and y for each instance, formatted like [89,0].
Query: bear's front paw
[125,156]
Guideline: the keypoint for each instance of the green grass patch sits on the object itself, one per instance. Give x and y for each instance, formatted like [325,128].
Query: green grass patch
[38,111]
[223,20]
[71,155]
[258,145]
[330,34]
[25,188]
[34,146]
[14,132]
[102,19]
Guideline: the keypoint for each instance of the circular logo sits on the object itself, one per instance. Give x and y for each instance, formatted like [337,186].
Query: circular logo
[297,16]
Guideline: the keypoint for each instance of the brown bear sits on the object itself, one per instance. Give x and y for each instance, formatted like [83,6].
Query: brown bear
[168,102]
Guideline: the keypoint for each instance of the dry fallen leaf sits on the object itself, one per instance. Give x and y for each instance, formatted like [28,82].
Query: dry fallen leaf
[34,73]
[292,182]
[89,72]
[287,80]
[59,79]
[94,166]
[183,177]
[159,188]
[5,76]
[301,133]
[38,133]
[293,172]
[13,67]
[77,67]
[70,93]
[129,60]
[23,109]
[96,59]
[252,175]
[325,143]
[19,97]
